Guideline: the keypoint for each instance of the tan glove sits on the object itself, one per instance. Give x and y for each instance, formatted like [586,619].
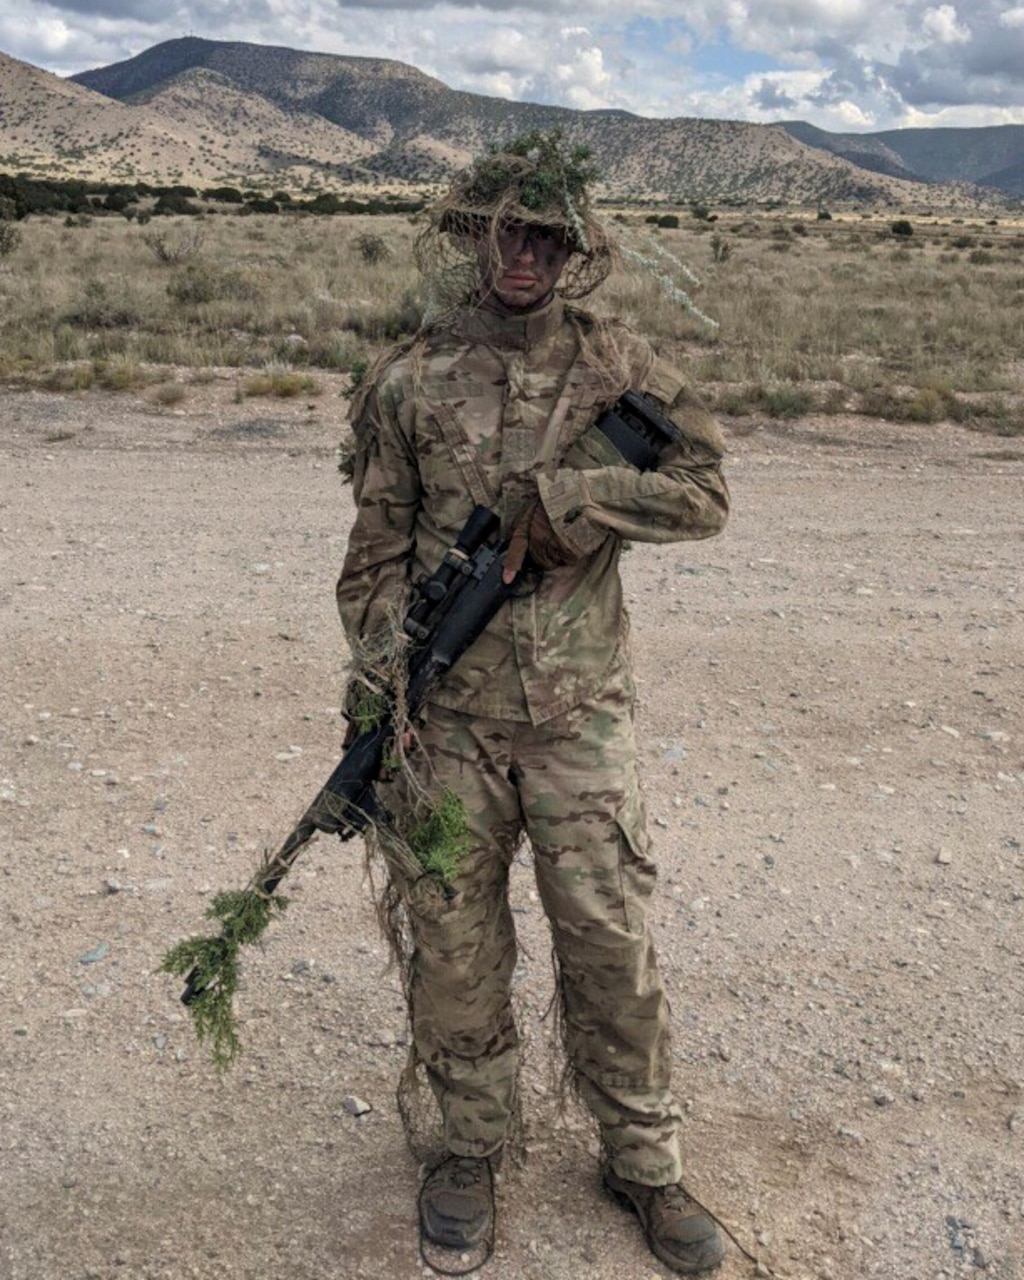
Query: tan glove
[533,534]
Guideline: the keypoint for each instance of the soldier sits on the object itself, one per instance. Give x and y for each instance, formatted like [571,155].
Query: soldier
[493,403]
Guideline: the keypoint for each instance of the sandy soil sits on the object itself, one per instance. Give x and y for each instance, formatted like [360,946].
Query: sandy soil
[831,727]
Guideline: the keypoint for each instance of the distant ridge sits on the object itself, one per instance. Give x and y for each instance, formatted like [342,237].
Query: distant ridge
[211,112]
[988,156]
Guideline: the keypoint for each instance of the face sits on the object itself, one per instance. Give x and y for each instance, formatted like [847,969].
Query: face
[532,259]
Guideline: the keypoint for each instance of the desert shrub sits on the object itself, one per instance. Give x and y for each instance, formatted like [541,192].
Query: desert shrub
[926,405]
[670,221]
[387,323]
[98,310]
[880,402]
[225,195]
[799,229]
[119,373]
[173,202]
[10,237]
[168,393]
[333,350]
[202,282]
[373,248]
[824,215]
[784,400]
[981,257]
[76,377]
[721,248]
[738,401]
[902,227]
[779,400]
[963,242]
[174,244]
[286,385]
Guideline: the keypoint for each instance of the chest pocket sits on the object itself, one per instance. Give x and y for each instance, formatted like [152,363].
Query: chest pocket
[452,472]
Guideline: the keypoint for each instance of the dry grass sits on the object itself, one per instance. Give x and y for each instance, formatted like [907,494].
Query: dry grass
[814,316]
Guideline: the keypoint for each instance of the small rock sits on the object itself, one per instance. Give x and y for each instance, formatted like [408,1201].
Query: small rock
[944,857]
[160,1041]
[112,885]
[98,952]
[21,1031]
[354,1106]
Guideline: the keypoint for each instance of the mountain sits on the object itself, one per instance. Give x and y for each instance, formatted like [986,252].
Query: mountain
[990,156]
[205,111]
[53,127]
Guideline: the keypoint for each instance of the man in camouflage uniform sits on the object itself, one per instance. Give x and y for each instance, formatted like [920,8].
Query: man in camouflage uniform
[533,728]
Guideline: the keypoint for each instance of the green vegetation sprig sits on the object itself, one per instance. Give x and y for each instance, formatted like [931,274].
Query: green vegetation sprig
[244,915]
[442,839]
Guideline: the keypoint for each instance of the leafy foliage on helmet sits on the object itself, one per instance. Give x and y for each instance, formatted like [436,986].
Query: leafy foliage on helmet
[552,183]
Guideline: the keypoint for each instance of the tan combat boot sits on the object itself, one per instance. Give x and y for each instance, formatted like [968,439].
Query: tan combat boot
[678,1231]
[457,1202]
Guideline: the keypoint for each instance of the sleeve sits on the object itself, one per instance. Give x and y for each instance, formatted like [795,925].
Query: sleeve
[685,498]
[386,484]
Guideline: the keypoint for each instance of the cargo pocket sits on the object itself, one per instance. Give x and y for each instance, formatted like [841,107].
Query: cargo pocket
[637,869]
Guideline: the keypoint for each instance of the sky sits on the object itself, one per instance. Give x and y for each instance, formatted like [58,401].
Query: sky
[843,65]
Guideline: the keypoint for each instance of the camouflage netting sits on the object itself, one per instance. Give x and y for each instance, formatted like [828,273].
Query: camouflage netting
[535,180]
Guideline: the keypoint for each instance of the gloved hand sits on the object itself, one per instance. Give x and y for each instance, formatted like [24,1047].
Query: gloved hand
[534,534]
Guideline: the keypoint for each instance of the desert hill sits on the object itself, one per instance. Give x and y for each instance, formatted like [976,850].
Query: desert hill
[205,111]
[988,156]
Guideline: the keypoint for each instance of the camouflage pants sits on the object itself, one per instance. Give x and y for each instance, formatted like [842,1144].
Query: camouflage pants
[571,785]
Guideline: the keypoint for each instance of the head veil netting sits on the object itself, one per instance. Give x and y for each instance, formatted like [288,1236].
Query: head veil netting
[534,179]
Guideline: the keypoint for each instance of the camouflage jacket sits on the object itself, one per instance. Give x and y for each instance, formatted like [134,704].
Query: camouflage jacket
[480,413]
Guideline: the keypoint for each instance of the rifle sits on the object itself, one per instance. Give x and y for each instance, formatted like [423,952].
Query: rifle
[450,610]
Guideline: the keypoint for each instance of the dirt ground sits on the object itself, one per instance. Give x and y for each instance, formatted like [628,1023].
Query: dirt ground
[831,729]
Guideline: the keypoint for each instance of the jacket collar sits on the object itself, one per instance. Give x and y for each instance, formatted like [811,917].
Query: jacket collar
[510,330]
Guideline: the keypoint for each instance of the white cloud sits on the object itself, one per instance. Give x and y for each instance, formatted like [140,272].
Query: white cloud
[943,25]
[843,64]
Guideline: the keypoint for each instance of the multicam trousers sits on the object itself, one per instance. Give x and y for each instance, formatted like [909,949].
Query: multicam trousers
[571,785]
